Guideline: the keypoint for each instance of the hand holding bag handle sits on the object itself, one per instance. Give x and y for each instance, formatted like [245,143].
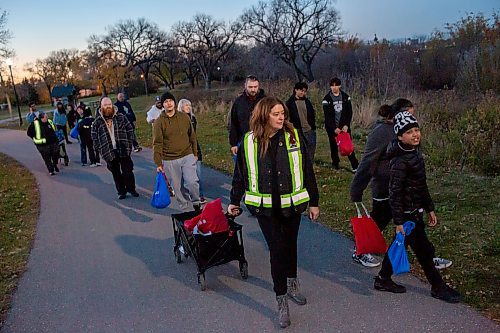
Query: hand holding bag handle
[170,188]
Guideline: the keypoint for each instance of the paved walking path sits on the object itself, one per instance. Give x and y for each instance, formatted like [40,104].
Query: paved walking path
[103,265]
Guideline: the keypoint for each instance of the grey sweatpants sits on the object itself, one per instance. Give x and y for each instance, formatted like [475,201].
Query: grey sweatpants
[182,176]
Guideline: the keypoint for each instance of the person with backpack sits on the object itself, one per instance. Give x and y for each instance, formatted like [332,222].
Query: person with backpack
[409,198]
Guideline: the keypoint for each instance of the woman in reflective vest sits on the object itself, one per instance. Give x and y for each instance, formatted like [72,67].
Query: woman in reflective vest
[275,175]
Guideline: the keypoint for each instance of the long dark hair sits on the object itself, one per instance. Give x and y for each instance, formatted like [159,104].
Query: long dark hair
[259,122]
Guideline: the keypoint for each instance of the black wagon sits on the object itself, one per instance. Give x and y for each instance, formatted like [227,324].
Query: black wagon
[211,250]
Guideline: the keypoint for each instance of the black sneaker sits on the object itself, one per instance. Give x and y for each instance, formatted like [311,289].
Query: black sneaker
[446,293]
[134,193]
[56,169]
[122,196]
[388,285]
[335,166]
[52,173]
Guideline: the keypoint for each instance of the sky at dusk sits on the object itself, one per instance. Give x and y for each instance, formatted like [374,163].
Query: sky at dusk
[43,26]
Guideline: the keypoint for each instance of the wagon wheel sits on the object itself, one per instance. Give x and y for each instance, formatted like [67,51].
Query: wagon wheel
[244,270]
[177,254]
[202,282]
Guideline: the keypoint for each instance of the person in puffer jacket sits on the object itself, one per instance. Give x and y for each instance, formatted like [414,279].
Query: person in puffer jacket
[409,197]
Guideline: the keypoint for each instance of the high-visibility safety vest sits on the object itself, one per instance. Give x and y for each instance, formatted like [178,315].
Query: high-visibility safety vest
[252,196]
[38,140]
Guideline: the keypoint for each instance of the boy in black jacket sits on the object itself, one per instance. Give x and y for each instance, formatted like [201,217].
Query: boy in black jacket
[409,197]
[337,108]
[85,129]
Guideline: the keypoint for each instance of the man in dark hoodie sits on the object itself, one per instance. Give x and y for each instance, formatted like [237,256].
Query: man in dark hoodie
[112,136]
[242,110]
[337,108]
[302,115]
[125,108]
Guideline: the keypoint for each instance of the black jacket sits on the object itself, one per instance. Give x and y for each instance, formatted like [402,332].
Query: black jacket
[294,113]
[374,165]
[240,116]
[126,109]
[85,129]
[194,122]
[282,177]
[46,131]
[408,183]
[124,136]
[329,112]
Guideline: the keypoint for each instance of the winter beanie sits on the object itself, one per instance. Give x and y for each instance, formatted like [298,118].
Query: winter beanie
[167,95]
[404,121]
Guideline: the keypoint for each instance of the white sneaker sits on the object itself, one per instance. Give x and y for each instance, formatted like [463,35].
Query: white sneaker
[441,263]
[366,260]
[98,164]
[181,249]
[93,165]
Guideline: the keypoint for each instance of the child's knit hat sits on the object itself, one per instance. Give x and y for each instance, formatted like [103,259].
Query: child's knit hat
[404,121]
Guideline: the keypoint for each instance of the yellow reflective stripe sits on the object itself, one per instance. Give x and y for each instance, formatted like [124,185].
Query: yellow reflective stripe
[251,159]
[253,199]
[267,201]
[286,200]
[300,197]
[295,161]
[52,124]
[38,133]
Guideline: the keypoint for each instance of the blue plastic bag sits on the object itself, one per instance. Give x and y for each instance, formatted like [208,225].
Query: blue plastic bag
[397,250]
[161,195]
[74,132]
[60,135]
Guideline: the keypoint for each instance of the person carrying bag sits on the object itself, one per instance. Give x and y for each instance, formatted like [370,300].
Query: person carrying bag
[368,237]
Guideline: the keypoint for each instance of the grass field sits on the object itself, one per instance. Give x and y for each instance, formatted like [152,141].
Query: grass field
[19,208]
[467,205]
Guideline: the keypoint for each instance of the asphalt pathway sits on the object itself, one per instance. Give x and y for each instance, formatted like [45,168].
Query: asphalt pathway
[100,264]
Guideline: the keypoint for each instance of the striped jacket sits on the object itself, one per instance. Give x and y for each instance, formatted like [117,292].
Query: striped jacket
[124,136]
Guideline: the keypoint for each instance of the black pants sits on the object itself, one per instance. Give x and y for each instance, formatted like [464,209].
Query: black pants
[281,237]
[381,213]
[89,147]
[334,152]
[423,249]
[122,169]
[65,131]
[50,155]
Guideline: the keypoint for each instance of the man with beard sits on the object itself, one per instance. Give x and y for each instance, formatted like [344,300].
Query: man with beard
[112,135]
[242,110]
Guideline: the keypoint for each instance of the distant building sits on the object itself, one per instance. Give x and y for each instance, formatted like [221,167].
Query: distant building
[65,93]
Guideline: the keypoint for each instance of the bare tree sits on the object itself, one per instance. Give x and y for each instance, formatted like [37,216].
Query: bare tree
[132,44]
[206,42]
[295,30]
[5,36]
[168,65]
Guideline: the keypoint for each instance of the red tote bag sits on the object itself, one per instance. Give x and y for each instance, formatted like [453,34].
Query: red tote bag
[368,237]
[344,142]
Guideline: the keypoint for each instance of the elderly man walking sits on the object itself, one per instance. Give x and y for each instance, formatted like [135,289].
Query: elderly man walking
[175,152]
[112,135]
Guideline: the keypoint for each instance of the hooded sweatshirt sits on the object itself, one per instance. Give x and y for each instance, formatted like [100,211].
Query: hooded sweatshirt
[173,137]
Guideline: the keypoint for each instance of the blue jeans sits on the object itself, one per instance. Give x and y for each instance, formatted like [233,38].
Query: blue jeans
[83,152]
[311,143]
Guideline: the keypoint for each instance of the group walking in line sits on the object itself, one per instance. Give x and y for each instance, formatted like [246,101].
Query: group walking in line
[273,144]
